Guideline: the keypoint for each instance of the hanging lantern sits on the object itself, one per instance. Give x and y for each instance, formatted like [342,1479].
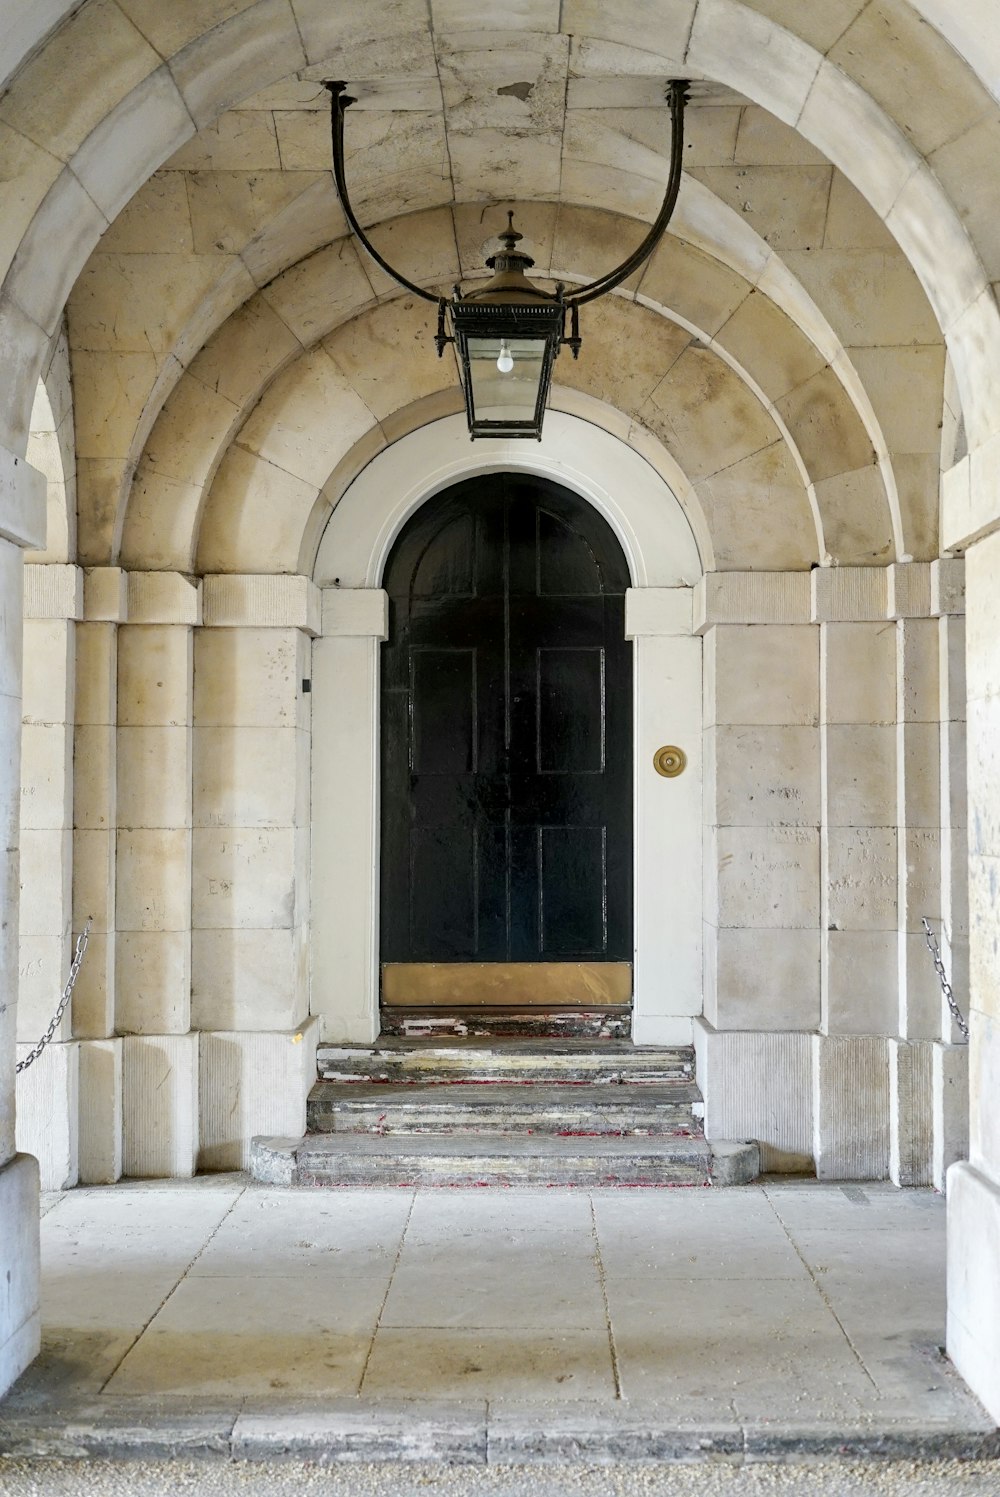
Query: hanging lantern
[507,333]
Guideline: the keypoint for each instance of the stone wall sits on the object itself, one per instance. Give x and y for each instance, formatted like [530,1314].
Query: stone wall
[174,811]
[835,774]
[833,758]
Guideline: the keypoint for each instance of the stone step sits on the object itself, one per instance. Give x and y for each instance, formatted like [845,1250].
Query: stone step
[581,1111]
[514,1023]
[547,1160]
[524,1062]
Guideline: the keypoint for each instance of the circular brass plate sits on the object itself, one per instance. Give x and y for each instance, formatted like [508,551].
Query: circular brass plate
[670,761]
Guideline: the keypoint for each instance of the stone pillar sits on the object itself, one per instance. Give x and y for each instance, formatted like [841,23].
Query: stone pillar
[858,917]
[918,817]
[95,801]
[48,1108]
[667,676]
[153,852]
[761,812]
[345,990]
[250,892]
[22,526]
[950,1065]
[974,1187]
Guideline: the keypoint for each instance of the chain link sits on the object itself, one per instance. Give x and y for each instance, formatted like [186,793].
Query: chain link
[949,997]
[67,993]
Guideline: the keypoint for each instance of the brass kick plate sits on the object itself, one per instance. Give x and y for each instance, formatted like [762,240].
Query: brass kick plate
[505,984]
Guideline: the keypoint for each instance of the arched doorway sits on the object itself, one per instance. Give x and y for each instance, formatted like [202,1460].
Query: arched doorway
[655,534]
[506,759]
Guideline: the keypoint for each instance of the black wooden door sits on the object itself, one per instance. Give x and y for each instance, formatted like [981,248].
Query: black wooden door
[506,731]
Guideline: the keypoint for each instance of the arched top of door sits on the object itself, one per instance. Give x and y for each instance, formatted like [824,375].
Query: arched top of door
[655,532]
[435,553]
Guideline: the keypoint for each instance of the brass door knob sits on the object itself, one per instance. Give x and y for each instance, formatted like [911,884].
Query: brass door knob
[670,761]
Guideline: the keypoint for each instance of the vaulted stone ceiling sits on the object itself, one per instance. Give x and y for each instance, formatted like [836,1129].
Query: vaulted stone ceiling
[235,359]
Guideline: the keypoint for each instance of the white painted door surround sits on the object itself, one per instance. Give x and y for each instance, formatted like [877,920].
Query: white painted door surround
[664,565]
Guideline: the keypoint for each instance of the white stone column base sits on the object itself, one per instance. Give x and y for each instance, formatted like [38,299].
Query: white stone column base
[974,1281]
[758,1086]
[950,1083]
[249,1084]
[20,1317]
[48,1112]
[850,1106]
[160,1105]
[100,1111]
[911,1112]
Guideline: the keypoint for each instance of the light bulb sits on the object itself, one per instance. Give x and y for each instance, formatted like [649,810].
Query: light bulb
[505,362]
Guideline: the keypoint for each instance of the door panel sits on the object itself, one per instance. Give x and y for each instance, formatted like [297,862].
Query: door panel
[506,757]
[572,877]
[444,853]
[443,721]
[570,710]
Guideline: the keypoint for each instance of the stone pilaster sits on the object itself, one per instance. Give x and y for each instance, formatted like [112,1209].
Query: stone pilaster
[918,794]
[250,893]
[761,710]
[346,684]
[153,846]
[858,833]
[95,797]
[667,683]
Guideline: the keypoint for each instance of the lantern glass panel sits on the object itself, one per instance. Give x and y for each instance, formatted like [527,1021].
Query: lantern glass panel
[511,396]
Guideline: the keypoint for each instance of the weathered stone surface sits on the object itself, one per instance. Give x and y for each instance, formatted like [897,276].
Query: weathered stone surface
[758,1086]
[851,1107]
[734,1163]
[593,1435]
[353,1159]
[973,1281]
[272,1160]
[116,1429]
[384,1431]
[250,1084]
[160,1090]
[950,1081]
[20,1319]
[913,1440]
[411,1024]
[100,1111]
[580,1110]
[542,1061]
[48,1109]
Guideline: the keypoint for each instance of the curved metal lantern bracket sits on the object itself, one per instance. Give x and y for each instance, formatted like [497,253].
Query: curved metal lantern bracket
[340,100]
[677,93]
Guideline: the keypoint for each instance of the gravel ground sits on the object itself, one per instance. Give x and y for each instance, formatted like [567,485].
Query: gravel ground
[228,1479]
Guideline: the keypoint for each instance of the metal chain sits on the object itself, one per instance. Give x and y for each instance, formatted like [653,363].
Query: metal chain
[949,997]
[67,993]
